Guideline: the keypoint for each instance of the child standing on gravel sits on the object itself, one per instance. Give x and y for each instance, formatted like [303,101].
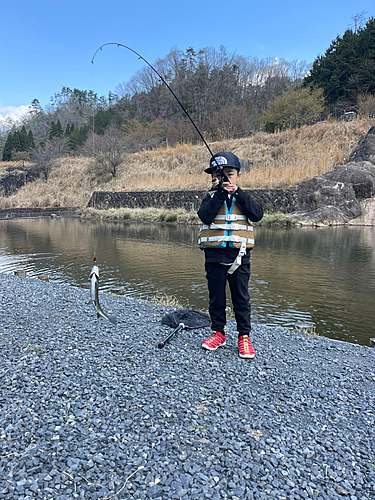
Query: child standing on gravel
[227,238]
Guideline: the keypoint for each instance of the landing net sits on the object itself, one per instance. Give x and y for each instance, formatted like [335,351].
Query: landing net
[190,319]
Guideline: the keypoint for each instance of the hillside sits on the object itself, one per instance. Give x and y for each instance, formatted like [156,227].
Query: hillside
[276,160]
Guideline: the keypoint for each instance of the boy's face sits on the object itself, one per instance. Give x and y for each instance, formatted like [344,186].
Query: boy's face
[233,175]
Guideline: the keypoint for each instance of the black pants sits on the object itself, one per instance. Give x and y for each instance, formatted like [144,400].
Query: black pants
[217,276]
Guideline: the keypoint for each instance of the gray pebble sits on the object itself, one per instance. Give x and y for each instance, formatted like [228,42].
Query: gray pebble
[85,404]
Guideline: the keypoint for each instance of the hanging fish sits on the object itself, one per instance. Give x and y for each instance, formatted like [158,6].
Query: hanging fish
[94,295]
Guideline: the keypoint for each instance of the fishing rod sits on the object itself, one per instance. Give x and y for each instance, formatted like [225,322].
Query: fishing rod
[219,168]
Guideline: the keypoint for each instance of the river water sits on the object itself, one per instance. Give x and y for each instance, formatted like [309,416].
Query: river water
[320,275]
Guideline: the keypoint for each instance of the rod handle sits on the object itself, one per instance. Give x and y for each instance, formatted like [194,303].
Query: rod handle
[162,344]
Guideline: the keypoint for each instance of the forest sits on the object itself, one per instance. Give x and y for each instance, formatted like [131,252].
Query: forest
[227,95]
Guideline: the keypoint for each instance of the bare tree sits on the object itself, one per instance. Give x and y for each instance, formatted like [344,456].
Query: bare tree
[230,122]
[39,122]
[46,155]
[144,135]
[109,149]
[366,105]
[358,21]
[143,81]
[180,131]
[21,156]
[297,71]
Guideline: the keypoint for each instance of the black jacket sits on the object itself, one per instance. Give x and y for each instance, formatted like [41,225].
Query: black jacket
[210,207]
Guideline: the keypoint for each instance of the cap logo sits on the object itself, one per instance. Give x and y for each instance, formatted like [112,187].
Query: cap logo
[219,160]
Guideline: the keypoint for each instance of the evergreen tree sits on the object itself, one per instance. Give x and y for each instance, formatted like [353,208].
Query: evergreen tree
[37,108]
[58,129]
[24,139]
[348,66]
[68,130]
[102,120]
[73,137]
[77,137]
[52,131]
[7,151]
[55,130]
[364,80]
[16,143]
[31,140]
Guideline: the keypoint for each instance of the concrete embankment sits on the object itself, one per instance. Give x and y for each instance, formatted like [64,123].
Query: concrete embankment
[20,213]
[97,411]
[272,200]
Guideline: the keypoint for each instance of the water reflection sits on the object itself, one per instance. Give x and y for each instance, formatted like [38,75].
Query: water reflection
[324,275]
[327,274]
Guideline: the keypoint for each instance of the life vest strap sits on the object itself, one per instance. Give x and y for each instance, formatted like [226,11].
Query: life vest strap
[236,264]
[227,227]
[231,217]
[233,238]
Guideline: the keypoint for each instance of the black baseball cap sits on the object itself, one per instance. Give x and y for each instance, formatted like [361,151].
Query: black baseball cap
[223,159]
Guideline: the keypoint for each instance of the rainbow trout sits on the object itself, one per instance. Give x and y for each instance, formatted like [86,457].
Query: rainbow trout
[94,295]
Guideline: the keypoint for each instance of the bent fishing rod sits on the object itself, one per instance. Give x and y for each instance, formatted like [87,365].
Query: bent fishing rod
[220,169]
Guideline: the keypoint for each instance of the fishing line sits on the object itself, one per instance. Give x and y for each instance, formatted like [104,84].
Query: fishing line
[93,115]
[94,244]
[219,167]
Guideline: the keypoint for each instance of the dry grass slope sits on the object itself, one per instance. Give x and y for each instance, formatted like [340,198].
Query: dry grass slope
[276,160]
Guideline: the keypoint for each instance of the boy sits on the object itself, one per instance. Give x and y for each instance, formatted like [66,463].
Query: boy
[227,238]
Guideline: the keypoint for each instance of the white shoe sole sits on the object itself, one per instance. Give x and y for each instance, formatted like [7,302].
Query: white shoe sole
[246,356]
[212,348]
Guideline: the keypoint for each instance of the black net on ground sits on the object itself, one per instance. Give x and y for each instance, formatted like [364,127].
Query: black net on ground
[190,319]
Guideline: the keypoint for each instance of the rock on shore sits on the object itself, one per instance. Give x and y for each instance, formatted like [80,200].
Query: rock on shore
[346,193]
[96,411]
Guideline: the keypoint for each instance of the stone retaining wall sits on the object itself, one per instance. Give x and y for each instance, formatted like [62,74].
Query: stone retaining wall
[27,213]
[13,178]
[279,200]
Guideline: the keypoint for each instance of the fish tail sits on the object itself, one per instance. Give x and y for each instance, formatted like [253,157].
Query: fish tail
[112,319]
[101,313]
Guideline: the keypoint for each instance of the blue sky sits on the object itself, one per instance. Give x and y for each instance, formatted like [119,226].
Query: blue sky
[46,45]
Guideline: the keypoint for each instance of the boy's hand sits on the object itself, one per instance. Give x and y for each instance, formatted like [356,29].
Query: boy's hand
[232,188]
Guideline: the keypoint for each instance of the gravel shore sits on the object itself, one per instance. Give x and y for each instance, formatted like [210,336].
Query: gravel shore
[96,411]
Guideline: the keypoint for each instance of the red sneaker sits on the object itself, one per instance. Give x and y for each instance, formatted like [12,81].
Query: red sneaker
[246,350]
[213,342]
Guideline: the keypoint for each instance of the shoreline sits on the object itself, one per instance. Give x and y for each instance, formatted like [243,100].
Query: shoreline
[156,216]
[92,410]
[129,215]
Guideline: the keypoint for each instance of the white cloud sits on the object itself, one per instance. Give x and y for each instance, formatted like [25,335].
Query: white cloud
[12,112]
